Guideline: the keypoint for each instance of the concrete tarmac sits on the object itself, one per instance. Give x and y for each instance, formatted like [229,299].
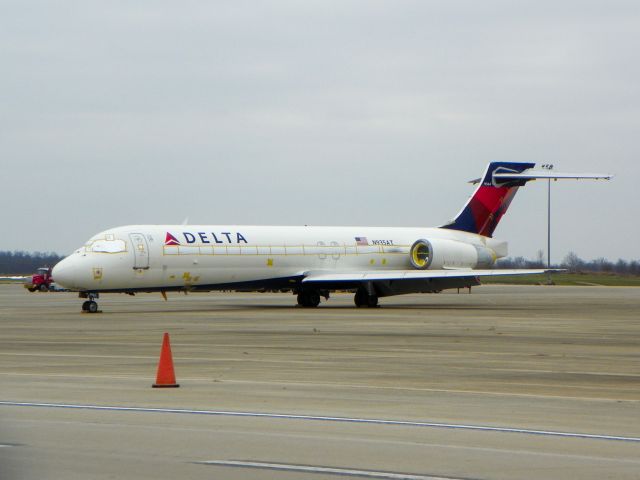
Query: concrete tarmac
[553,363]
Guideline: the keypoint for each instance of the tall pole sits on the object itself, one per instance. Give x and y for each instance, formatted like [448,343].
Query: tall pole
[549,224]
[548,167]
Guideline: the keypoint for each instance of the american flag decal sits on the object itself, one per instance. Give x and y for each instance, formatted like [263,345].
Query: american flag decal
[362,241]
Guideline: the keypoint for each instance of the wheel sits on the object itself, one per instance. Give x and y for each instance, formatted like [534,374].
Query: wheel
[363,299]
[372,301]
[360,298]
[43,287]
[32,289]
[85,306]
[309,299]
[313,299]
[92,307]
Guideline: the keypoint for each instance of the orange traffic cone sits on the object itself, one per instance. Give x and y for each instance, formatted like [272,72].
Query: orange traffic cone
[166,378]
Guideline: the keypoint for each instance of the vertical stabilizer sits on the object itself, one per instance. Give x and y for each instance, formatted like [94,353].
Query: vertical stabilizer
[491,199]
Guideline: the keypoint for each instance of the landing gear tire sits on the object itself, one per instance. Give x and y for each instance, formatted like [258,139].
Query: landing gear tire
[363,299]
[309,299]
[89,306]
[359,298]
[372,301]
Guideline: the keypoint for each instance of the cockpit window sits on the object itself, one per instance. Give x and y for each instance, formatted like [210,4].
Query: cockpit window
[107,246]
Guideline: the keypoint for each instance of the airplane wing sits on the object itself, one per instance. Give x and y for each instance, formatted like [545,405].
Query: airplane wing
[382,275]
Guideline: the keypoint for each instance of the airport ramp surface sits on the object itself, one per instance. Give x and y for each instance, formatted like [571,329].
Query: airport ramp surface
[508,382]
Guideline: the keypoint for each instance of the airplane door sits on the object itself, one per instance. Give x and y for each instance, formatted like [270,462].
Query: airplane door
[140,251]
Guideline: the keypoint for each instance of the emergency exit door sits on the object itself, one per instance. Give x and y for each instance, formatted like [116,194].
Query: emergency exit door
[140,251]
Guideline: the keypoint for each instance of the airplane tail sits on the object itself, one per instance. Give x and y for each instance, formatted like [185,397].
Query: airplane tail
[491,199]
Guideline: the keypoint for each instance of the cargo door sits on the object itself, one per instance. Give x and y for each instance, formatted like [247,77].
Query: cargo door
[140,251]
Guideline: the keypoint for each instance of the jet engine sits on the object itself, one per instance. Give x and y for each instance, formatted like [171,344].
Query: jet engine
[440,253]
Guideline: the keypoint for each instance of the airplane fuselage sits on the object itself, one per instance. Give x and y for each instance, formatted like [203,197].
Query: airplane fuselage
[214,257]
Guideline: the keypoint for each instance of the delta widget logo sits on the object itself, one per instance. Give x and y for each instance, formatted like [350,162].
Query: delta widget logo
[171,240]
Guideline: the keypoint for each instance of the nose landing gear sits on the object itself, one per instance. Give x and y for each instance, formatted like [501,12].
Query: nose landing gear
[90,306]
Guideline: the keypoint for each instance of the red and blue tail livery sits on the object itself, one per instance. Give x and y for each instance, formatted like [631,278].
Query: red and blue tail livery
[491,199]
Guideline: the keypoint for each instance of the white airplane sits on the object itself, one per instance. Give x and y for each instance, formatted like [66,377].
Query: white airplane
[308,261]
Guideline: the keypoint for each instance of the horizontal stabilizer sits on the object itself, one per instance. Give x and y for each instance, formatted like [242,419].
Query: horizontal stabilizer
[549,174]
[496,190]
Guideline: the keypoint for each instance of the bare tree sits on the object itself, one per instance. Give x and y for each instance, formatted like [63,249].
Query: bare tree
[572,262]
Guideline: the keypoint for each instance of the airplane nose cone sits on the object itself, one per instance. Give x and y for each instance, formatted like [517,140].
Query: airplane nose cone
[63,273]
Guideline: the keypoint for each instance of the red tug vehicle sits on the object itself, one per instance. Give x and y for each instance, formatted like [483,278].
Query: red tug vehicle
[41,280]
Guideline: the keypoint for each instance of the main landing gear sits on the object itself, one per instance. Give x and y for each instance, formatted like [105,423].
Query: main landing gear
[363,298]
[90,306]
[311,298]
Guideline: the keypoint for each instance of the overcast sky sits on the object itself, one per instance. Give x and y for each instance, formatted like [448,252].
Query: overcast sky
[316,112]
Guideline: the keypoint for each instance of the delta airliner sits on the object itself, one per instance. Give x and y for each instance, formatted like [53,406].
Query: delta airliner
[310,262]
